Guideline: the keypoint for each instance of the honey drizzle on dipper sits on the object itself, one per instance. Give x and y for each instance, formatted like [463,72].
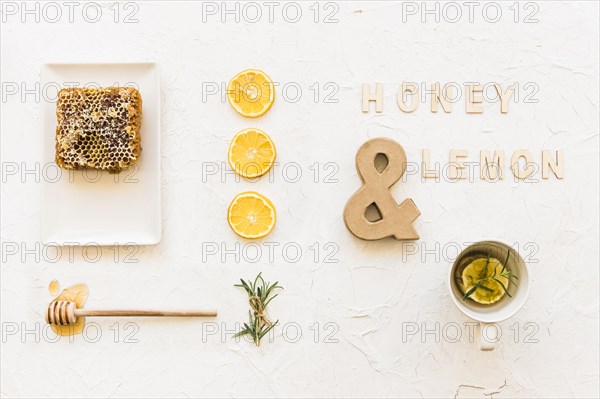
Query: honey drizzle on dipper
[77,294]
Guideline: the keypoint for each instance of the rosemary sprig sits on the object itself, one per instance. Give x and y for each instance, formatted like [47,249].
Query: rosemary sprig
[503,273]
[483,272]
[259,296]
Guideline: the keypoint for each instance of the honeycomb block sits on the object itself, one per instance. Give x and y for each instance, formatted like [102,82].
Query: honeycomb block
[98,128]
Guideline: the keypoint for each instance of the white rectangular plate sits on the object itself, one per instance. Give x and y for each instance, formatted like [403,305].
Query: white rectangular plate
[88,207]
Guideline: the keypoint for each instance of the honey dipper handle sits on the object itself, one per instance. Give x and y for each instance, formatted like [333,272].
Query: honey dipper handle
[145,313]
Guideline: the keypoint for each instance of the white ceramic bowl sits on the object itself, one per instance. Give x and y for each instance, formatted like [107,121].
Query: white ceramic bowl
[507,306]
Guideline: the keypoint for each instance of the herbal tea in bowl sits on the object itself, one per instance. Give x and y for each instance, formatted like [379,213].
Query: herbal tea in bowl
[489,282]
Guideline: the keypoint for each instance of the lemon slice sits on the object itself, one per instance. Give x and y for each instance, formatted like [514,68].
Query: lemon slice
[251,153]
[251,93]
[251,215]
[474,272]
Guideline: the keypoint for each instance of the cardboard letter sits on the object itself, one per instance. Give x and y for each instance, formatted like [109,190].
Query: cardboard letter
[426,171]
[443,99]
[456,167]
[558,167]
[414,92]
[491,170]
[514,164]
[474,99]
[504,96]
[367,97]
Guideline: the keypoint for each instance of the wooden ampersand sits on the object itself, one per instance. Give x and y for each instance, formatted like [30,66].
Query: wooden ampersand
[396,220]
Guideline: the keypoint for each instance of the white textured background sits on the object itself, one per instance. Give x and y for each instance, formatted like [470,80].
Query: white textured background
[375,288]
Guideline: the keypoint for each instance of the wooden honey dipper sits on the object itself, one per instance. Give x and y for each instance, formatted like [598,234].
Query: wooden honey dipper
[63,313]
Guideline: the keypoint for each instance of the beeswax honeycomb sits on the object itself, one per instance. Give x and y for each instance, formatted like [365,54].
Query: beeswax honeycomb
[98,128]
